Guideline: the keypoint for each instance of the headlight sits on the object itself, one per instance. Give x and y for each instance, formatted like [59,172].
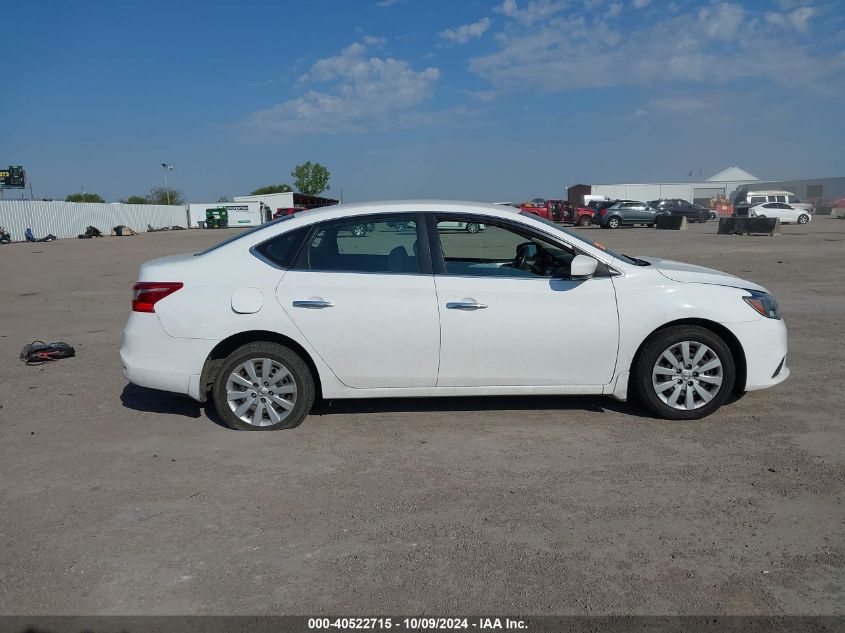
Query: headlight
[763,303]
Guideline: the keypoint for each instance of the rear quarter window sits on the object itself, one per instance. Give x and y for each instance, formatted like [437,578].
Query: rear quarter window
[281,250]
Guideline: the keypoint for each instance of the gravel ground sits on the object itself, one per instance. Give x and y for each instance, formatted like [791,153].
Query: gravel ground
[120,500]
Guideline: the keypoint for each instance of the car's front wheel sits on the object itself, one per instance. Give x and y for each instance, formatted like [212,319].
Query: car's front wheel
[803,218]
[473,227]
[263,386]
[684,372]
[359,230]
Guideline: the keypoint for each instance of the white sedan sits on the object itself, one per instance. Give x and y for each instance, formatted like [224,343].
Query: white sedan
[786,213]
[300,308]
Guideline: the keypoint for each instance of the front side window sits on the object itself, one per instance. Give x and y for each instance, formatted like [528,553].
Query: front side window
[386,244]
[500,251]
[791,199]
[779,198]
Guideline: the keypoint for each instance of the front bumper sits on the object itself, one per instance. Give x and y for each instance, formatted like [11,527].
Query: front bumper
[765,345]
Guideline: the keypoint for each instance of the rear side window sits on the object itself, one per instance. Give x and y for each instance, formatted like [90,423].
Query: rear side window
[386,244]
[281,250]
[757,199]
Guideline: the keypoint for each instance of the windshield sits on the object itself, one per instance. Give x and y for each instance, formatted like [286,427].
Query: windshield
[573,234]
[260,227]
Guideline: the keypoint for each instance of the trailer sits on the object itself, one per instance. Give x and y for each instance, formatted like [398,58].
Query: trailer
[241,214]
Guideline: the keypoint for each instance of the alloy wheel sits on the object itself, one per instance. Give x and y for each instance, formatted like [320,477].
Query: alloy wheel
[261,392]
[687,375]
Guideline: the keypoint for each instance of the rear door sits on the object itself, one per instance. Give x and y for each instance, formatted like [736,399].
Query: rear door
[361,292]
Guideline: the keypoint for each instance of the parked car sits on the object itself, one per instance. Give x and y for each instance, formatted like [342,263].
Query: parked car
[678,206]
[287,316]
[753,198]
[561,211]
[628,213]
[786,213]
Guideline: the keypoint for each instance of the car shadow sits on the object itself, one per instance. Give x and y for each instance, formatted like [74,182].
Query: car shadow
[155,401]
[597,404]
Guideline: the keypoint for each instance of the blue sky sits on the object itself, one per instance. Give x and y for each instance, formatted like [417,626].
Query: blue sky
[501,100]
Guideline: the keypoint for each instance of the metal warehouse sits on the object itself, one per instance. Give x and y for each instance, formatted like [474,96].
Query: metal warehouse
[722,186]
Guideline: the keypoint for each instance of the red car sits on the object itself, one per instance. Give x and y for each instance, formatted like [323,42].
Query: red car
[562,211]
[287,211]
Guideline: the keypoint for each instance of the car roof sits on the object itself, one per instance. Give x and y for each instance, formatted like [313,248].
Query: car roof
[461,207]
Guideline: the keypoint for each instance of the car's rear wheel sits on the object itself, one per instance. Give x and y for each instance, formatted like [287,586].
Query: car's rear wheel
[684,372]
[473,227]
[613,223]
[359,230]
[803,218]
[263,386]
[585,220]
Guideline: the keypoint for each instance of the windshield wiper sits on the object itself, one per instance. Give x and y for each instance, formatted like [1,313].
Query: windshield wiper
[637,262]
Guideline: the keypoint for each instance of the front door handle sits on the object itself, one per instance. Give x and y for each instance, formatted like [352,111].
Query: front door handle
[465,305]
[312,303]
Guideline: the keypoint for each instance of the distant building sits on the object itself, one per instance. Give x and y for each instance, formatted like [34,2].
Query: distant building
[724,185]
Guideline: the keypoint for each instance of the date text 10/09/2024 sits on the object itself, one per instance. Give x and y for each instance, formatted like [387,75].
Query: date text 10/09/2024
[417,624]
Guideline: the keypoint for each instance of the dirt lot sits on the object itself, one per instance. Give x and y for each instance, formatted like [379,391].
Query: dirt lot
[123,500]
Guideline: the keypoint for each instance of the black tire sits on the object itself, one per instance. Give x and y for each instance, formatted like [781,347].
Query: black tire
[299,371]
[803,218]
[585,220]
[614,223]
[473,227]
[359,230]
[651,351]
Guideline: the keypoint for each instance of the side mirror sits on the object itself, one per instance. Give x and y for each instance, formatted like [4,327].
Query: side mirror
[582,268]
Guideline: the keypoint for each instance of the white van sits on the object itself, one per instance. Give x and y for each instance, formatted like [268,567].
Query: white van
[761,197]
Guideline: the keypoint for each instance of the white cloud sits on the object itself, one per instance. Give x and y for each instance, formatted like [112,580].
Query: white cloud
[533,11]
[364,93]
[462,34]
[371,40]
[641,4]
[723,22]
[799,19]
[386,3]
[614,9]
[714,45]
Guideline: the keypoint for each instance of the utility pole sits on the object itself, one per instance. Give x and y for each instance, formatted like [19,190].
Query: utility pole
[167,167]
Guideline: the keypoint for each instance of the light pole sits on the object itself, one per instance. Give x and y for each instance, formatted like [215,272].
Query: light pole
[166,167]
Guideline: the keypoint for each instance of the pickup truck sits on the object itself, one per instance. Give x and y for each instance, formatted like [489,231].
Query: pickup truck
[561,211]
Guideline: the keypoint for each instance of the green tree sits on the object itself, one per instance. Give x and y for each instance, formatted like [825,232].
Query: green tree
[84,197]
[137,200]
[223,199]
[160,195]
[263,191]
[311,178]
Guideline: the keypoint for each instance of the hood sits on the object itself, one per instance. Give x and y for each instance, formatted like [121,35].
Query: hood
[689,273]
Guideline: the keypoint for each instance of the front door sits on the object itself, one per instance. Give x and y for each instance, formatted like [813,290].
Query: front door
[364,298]
[511,316]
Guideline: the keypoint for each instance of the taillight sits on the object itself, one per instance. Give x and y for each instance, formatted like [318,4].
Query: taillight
[145,294]
[603,211]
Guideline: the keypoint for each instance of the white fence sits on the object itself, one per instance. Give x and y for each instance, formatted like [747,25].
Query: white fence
[69,219]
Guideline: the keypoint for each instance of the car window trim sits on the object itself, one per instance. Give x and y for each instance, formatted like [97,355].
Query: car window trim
[439,261]
[301,263]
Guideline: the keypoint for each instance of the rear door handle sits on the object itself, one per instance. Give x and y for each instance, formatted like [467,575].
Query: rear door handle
[465,305]
[312,303]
